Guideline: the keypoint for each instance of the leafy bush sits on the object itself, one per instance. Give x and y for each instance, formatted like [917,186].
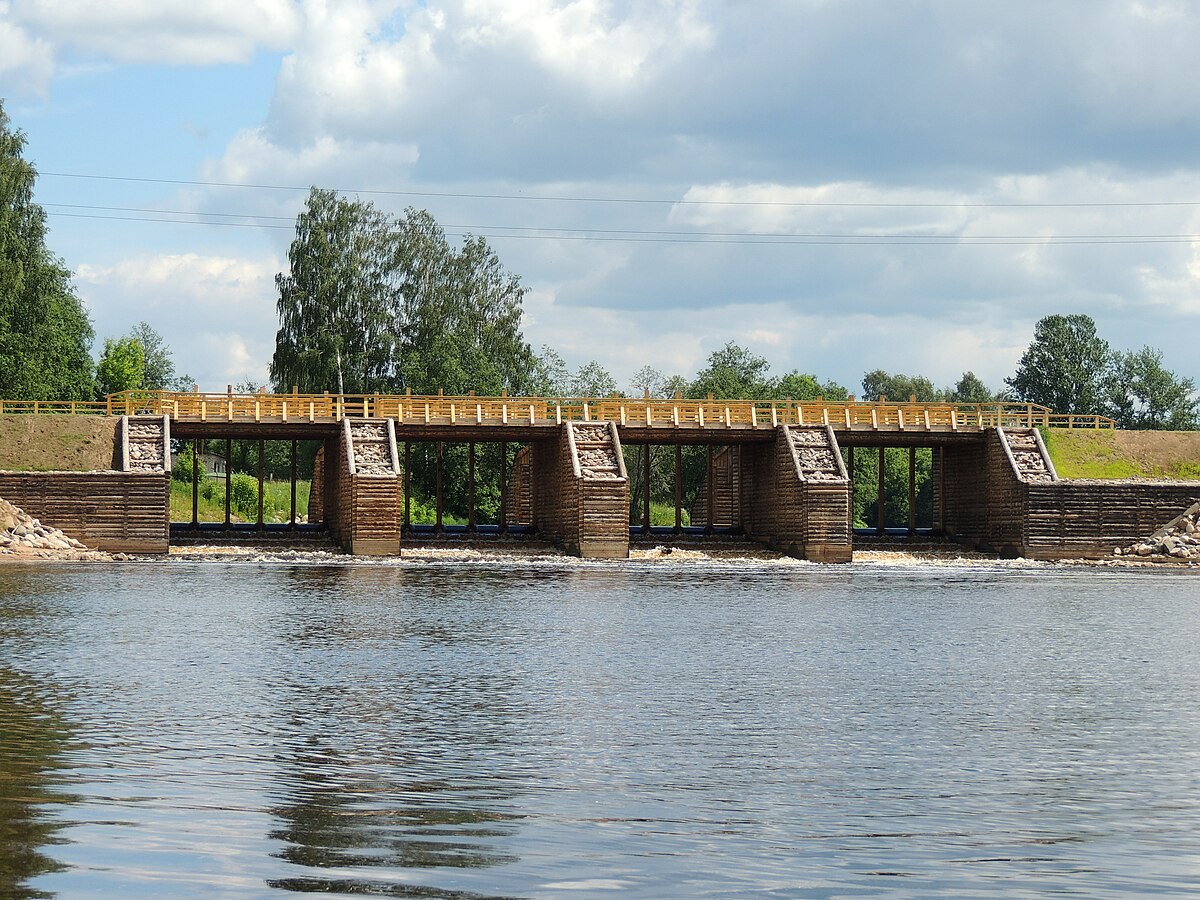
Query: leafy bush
[243,495]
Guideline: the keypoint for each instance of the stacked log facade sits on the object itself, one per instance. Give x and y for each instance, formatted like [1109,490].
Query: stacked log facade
[122,512]
[797,495]
[518,495]
[1001,498]
[362,494]
[725,484]
[581,501]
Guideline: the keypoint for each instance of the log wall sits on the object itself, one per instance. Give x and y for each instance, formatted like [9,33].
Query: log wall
[581,493]
[362,511]
[790,507]
[990,506]
[726,487]
[518,495]
[125,512]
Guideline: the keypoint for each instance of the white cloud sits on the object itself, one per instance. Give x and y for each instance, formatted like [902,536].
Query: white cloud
[190,32]
[26,62]
[216,313]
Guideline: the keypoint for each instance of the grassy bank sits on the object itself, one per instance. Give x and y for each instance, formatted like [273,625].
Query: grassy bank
[1080,453]
[211,506]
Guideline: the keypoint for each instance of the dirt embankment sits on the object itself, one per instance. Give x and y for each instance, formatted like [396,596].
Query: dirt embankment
[57,443]
[1080,453]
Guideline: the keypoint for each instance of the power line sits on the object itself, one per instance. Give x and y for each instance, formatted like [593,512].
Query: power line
[549,198]
[495,232]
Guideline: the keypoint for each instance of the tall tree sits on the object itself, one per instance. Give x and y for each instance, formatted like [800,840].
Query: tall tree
[1143,393]
[335,332]
[122,367]
[733,373]
[1066,367]
[970,389]
[593,380]
[159,367]
[457,314]
[44,331]
[800,386]
[898,388]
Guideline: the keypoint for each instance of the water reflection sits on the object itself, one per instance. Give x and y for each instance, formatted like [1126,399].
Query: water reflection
[397,777]
[34,739]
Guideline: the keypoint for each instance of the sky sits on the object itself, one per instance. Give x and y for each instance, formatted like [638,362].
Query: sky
[837,185]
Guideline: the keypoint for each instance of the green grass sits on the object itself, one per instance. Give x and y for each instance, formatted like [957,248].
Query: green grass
[1101,454]
[211,507]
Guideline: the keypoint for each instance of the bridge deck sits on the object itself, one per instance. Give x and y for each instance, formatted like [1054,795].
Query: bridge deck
[529,418]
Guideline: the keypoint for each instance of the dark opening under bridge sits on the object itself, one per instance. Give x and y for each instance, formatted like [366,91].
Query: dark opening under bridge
[780,475]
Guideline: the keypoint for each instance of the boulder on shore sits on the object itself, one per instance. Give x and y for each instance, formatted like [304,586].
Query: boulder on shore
[1178,539]
[21,531]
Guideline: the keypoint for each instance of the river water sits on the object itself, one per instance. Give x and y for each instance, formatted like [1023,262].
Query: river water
[578,730]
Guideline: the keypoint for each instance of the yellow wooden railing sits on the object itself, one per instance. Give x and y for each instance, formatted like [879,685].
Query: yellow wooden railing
[675,412]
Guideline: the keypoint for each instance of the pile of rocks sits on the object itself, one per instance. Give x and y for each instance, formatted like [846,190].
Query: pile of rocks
[1178,539]
[21,531]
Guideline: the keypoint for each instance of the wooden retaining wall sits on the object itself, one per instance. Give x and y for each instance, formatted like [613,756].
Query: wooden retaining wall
[989,506]
[788,509]
[726,487]
[581,500]
[126,512]
[361,510]
[518,495]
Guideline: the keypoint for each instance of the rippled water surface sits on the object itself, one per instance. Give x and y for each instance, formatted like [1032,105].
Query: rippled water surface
[647,730]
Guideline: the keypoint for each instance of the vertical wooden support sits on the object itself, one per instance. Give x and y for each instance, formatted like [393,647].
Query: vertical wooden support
[292,521]
[437,524]
[850,478]
[228,480]
[912,491]
[678,488]
[471,487]
[879,497]
[645,489]
[708,456]
[195,484]
[262,474]
[942,489]
[503,487]
[407,486]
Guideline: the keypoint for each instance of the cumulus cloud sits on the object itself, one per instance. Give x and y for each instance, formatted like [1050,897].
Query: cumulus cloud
[217,313]
[26,62]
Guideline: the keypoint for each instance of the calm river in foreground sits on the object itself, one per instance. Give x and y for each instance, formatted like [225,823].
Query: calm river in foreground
[573,730]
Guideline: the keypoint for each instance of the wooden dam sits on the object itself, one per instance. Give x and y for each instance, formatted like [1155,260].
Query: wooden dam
[780,473]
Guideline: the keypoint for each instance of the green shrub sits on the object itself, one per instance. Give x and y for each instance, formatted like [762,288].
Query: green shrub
[243,495]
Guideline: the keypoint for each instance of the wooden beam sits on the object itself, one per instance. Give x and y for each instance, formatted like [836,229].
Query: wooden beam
[708,452]
[195,484]
[879,498]
[471,486]
[912,491]
[678,488]
[228,480]
[645,488]
[850,478]
[503,526]
[942,489]
[407,486]
[292,522]
[437,524]
[262,473]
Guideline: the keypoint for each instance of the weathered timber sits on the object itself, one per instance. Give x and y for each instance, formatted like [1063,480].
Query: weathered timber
[362,489]
[719,500]
[126,512]
[797,494]
[518,498]
[1003,495]
[581,501]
